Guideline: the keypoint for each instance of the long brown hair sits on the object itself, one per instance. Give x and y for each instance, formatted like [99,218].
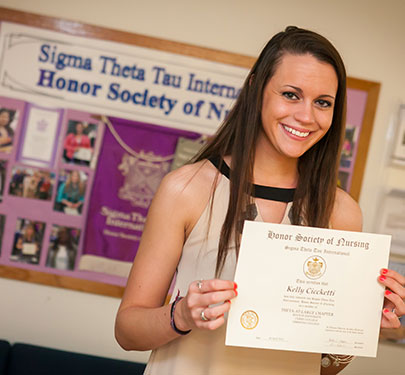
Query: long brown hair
[317,168]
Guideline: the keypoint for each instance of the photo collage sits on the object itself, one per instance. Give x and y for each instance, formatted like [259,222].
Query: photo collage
[47,162]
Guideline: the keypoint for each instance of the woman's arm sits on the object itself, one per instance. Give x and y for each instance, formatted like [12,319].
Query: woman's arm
[60,196]
[6,140]
[142,322]
[70,145]
[19,243]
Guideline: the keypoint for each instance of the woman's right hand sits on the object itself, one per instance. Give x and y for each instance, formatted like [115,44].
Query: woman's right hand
[199,301]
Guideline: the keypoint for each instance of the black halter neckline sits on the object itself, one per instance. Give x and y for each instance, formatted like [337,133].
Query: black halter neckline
[259,191]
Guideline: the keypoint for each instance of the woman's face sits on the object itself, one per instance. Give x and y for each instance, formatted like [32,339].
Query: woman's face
[29,231]
[79,128]
[4,118]
[298,103]
[63,235]
[75,177]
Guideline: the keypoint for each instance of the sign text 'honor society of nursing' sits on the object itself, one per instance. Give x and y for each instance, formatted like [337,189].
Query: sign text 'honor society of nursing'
[118,79]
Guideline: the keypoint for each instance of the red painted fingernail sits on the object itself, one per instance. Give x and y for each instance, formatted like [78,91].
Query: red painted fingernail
[236,293]
[384,271]
[386,310]
[235,285]
[382,278]
[387,292]
[227,301]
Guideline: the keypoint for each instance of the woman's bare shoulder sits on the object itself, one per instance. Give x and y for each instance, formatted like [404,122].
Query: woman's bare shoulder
[190,179]
[346,213]
[186,191]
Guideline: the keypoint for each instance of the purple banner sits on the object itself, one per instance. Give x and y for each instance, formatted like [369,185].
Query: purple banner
[134,158]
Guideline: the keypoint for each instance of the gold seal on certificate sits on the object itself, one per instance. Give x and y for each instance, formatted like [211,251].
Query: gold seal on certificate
[249,319]
[314,267]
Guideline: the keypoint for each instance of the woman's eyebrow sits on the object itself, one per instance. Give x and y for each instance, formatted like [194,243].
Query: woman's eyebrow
[300,91]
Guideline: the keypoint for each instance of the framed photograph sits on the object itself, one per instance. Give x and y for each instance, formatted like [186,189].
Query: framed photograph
[32,183]
[79,143]
[8,123]
[71,191]
[399,143]
[63,246]
[27,241]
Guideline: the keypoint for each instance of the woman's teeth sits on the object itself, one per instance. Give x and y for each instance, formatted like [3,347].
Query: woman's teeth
[296,132]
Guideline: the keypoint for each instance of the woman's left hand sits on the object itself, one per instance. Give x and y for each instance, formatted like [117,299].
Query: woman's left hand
[394,302]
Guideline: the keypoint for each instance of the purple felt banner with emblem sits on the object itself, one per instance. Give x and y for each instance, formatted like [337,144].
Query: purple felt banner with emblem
[133,160]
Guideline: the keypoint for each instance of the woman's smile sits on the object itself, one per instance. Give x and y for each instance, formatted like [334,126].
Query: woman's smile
[294,132]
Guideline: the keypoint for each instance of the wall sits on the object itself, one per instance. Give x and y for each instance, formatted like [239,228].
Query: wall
[368,33]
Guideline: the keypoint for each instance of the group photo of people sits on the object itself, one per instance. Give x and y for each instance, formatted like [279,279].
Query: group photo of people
[28,239]
[32,183]
[8,122]
[63,247]
[79,143]
[70,192]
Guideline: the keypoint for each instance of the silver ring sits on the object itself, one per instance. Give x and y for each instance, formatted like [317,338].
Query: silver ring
[203,317]
[199,284]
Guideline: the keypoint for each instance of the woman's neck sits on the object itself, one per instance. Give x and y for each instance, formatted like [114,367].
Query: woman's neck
[274,169]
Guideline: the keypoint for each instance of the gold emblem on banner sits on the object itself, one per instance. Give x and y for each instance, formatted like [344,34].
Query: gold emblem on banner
[249,319]
[142,177]
[314,267]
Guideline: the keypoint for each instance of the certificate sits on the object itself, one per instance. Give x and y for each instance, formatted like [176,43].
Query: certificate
[40,135]
[308,289]
[29,248]
[83,154]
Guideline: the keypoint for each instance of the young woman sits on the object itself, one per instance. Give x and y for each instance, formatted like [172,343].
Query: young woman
[70,196]
[27,245]
[274,159]
[6,132]
[62,252]
[75,141]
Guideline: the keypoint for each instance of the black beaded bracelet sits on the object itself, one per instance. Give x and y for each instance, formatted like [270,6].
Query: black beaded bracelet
[173,325]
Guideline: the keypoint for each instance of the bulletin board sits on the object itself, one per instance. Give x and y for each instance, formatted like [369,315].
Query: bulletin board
[134,116]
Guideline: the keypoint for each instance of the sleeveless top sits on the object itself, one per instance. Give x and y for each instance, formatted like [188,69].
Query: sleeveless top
[204,352]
